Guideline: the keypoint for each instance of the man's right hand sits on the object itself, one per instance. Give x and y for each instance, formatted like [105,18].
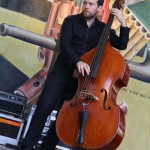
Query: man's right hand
[83,68]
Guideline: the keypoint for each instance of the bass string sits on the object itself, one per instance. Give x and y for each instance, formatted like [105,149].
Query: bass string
[87,84]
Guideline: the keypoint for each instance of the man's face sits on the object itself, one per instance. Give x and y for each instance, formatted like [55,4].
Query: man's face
[90,8]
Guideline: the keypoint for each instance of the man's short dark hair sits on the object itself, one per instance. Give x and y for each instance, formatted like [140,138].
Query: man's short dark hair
[100,2]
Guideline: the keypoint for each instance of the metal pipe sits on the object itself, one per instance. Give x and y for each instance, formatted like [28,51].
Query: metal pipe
[27,36]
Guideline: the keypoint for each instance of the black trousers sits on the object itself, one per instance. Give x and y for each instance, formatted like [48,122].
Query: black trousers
[55,87]
[54,93]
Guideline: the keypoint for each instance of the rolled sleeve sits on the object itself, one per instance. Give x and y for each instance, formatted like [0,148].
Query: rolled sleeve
[120,42]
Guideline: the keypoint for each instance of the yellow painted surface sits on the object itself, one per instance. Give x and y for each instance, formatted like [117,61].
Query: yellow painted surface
[21,54]
[137,97]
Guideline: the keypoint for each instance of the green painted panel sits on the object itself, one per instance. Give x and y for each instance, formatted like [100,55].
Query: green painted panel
[142,13]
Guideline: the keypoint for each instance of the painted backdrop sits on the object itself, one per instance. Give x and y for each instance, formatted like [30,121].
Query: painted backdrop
[25,63]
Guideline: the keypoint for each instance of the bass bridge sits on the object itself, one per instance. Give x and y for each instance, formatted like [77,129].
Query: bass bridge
[87,95]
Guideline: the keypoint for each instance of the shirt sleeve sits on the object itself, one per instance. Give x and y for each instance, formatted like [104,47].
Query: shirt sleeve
[65,42]
[120,42]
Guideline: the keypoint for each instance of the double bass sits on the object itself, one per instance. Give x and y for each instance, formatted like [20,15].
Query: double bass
[92,119]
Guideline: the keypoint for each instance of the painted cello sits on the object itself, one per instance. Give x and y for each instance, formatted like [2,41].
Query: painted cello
[92,119]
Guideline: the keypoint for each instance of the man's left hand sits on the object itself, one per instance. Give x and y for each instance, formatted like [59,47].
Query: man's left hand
[118,13]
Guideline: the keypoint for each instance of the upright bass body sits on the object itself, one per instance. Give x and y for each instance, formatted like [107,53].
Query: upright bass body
[104,127]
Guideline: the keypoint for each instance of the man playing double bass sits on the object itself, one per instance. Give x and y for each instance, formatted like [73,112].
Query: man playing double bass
[79,34]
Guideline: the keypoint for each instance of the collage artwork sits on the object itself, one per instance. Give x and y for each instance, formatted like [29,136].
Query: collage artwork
[29,44]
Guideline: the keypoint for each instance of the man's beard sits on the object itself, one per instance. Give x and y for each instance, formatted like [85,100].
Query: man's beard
[89,16]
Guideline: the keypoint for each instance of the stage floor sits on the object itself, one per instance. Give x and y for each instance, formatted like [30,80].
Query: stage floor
[2,147]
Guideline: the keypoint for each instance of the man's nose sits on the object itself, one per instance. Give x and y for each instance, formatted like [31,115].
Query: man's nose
[87,6]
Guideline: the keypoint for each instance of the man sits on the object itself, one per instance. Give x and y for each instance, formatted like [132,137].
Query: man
[79,34]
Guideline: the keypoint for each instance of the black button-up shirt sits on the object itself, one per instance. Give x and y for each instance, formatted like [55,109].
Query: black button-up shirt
[77,38]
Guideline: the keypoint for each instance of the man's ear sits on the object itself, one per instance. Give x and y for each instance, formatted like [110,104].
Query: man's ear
[100,10]
[100,13]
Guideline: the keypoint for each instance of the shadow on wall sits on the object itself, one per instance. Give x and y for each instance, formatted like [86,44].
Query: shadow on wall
[34,8]
[10,77]
[141,71]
